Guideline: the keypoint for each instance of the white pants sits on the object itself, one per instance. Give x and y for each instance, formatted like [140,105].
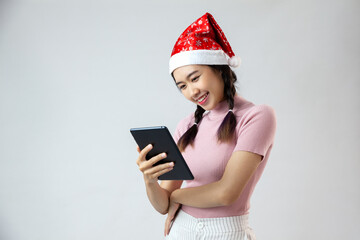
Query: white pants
[186,227]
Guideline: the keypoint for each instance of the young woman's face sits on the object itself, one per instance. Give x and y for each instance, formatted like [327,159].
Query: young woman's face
[200,84]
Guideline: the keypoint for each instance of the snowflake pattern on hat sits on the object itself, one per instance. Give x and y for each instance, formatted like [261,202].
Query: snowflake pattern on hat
[203,42]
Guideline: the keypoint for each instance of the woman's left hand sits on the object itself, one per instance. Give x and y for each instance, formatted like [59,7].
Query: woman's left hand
[172,212]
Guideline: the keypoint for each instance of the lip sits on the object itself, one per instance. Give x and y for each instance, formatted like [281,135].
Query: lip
[205,99]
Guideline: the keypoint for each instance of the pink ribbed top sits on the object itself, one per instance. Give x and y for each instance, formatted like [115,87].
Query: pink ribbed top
[255,131]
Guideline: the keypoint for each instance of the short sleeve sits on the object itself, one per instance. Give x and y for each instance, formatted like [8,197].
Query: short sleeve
[256,130]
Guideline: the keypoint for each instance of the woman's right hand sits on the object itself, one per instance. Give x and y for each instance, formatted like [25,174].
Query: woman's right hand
[151,173]
[172,212]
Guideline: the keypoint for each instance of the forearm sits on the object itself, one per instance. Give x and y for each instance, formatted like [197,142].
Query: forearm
[158,197]
[227,190]
[206,196]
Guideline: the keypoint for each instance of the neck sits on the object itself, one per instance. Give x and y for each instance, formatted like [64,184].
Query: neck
[222,107]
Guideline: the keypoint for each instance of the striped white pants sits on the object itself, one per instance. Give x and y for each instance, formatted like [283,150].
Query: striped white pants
[187,227]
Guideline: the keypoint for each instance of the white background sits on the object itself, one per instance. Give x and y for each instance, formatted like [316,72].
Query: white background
[76,75]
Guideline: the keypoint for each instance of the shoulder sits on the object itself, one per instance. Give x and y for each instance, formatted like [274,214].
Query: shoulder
[246,110]
[257,119]
[263,110]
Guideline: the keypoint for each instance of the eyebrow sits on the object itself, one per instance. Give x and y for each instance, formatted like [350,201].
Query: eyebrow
[188,76]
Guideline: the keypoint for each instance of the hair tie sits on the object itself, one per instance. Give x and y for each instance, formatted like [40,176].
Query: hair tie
[230,110]
[195,123]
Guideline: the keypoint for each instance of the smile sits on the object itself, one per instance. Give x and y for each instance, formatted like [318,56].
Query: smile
[203,99]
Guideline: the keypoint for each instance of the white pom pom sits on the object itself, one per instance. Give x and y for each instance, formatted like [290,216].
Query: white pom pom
[234,61]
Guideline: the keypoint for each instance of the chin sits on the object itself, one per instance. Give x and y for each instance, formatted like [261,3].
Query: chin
[208,108]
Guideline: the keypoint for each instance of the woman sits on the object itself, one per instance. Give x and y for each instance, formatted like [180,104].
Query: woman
[226,142]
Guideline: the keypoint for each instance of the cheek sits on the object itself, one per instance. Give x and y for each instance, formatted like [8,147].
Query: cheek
[219,90]
[209,84]
[186,94]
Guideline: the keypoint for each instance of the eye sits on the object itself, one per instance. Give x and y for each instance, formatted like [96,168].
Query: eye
[195,79]
[182,87]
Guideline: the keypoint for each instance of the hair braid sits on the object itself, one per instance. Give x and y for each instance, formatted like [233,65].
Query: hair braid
[189,136]
[199,114]
[227,127]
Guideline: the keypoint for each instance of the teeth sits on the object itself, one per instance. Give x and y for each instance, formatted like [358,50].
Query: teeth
[201,99]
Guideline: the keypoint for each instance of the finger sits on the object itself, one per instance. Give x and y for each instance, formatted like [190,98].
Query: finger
[148,164]
[158,168]
[138,159]
[157,158]
[167,226]
[158,174]
[170,225]
[143,153]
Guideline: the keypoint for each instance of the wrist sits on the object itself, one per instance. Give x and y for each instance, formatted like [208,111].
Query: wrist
[150,183]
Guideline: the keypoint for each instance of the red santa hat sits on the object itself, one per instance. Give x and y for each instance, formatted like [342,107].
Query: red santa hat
[203,42]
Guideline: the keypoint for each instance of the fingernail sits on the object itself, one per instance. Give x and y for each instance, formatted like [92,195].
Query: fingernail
[149,146]
[171,164]
[163,154]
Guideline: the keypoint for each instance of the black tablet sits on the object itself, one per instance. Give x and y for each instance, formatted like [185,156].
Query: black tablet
[162,141]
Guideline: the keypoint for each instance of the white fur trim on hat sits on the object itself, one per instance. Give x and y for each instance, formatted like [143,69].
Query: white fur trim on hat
[202,57]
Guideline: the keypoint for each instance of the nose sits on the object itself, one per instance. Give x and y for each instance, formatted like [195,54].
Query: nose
[194,92]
